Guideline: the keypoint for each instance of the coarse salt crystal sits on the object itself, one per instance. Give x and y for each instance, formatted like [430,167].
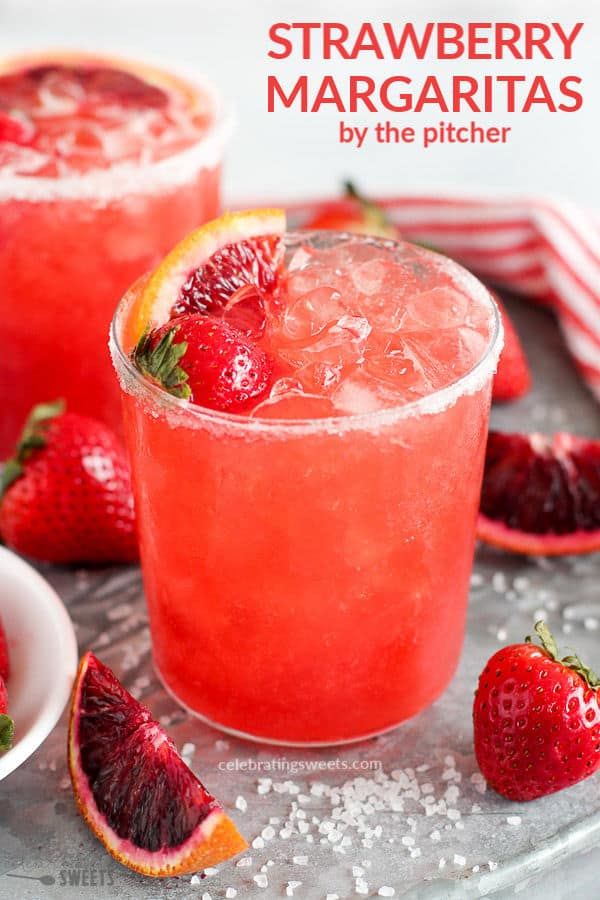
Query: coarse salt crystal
[361,886]
[441,863]
[415,852]
[357,871]
[261,880]
[206,896]
[386,891]
[332,897]
[513,820]
[230,893]
[188,749]
[241,803]
[291,887]
[268,833]
[258,843]
[408,841]
[435,835]
[492,865]
[195,879]
[459,860]
[244,862]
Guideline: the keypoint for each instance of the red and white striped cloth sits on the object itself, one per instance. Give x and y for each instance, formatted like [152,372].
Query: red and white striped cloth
[545,249]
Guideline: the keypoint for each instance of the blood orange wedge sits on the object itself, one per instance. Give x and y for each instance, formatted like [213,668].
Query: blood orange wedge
[541,495]
[132,787]
[212,268]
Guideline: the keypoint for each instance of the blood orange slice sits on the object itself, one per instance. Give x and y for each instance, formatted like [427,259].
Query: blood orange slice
[208,269]
[132,787]
[541,495]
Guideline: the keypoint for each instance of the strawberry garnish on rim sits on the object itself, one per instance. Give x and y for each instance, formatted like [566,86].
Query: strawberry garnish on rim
[536,719]
[205,360]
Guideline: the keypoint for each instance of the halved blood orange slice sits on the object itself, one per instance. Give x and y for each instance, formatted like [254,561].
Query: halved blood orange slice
[212,267]
[541,495]
[132,787]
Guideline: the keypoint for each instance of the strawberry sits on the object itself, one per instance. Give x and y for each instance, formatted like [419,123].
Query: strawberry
[206,360]
[360,216]
[4,659]
[513,379]
[66,494]
[536,719]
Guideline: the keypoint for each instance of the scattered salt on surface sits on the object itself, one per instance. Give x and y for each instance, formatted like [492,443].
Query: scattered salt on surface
[268,833]
[361,886]
[492,865]
[241,803]
[244,862]
[210,871]
[195,879]
[258,843]
[230,893]
[261,880]
[459,860]
[513,820]
[386,891]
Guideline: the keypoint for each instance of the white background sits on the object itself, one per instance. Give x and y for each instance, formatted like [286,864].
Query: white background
[292,154]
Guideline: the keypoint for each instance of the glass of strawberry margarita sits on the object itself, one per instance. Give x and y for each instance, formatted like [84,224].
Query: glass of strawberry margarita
[307,561]
[104,165]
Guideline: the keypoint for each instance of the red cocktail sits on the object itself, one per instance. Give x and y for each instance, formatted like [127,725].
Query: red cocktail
[104,165]
[307,558]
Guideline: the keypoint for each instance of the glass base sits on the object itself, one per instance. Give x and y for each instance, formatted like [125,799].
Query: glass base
[278,742]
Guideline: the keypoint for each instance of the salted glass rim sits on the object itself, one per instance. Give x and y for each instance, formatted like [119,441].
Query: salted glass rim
[127,177]
[436,402]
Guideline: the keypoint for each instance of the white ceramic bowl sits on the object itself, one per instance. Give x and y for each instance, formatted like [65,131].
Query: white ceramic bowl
[43,656]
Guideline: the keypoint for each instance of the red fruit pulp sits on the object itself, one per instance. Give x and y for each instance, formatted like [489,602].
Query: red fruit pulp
[114,729]
[541,494]
[248,262]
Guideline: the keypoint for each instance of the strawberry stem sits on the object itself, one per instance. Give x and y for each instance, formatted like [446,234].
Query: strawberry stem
[7,731]
[160,363]
[32,438]
[572,661]
[371,211]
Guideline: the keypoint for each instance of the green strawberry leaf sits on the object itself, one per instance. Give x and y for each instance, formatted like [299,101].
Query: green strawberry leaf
[572,661]
[32,438]
[161,363]
[7,731]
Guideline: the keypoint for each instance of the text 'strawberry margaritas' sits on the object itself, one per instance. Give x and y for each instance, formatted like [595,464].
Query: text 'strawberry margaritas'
[307,541]
[104,165]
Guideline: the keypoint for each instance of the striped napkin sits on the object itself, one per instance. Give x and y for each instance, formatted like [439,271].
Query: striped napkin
[545,249]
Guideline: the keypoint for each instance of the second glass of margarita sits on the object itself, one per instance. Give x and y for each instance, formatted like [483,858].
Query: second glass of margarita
[104,165]
[307,563]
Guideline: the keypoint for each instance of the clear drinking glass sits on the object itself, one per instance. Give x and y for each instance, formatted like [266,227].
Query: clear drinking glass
[70,246]
[307,580]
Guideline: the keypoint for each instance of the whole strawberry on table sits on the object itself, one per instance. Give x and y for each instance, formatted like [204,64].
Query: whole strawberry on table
[66,493]
[536,719]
